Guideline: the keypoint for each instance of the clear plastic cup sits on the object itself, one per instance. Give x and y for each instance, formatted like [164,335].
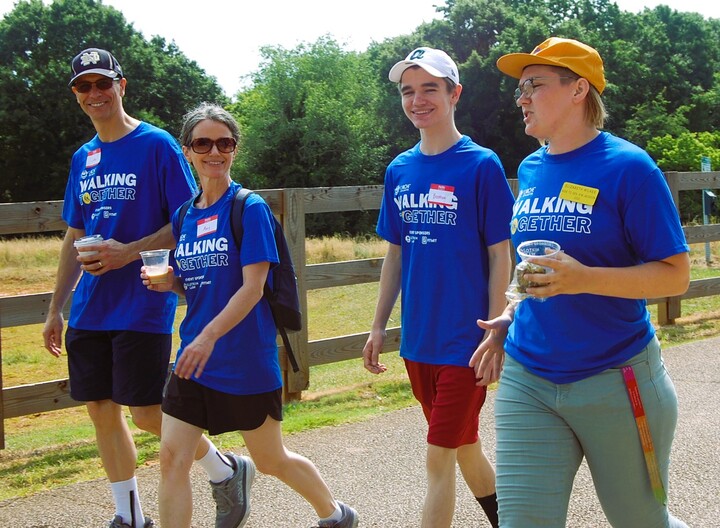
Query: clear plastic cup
[156,265]
[527,250]
[89,240]
[538,248]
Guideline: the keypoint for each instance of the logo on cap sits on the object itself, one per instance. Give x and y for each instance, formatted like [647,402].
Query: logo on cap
[92,57]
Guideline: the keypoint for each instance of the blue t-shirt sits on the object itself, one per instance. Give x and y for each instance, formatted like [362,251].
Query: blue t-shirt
[444,211]
[245,360]
[633,220]
[125,190]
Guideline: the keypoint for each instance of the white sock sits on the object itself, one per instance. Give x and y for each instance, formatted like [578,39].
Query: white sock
[336,516]
[216,465]
[127,502]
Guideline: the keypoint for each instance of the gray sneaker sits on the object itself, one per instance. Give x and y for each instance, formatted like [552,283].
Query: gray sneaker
[117,522]
[232,496]
[349,518]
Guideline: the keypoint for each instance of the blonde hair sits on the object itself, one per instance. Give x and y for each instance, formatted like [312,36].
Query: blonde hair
[595,111]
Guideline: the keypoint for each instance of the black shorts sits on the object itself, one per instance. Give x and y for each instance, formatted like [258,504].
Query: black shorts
[126,367]
[219,412]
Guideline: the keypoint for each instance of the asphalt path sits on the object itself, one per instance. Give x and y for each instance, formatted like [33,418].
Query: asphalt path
[377,466]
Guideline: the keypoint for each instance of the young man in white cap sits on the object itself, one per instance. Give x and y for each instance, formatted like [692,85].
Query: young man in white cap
[445,213]
[124,185]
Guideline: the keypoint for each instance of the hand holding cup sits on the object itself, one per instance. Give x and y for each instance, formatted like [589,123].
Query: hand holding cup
[155,266]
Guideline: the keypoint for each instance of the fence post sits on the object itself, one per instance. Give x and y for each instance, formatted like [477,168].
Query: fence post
[671,309]
[2,402]
[293,221]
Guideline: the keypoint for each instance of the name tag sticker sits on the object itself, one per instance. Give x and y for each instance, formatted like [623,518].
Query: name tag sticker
[574,192]
[207,226]
[441,194]
[93,158]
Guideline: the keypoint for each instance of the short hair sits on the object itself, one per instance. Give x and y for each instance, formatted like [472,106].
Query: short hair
[210,111]
[595,112]
[449,83]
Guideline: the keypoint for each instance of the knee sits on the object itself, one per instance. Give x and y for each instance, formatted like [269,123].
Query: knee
[147,418]
[172,463]
[271,465]
[105,414]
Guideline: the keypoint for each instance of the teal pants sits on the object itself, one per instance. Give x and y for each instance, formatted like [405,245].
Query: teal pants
[544,430]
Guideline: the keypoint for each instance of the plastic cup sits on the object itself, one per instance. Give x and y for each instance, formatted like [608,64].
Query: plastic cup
[538,248]
[89,240]
[156,265]
[527,250]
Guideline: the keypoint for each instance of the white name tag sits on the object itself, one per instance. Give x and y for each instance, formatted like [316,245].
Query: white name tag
[93,158]
[207,226]
[441,194]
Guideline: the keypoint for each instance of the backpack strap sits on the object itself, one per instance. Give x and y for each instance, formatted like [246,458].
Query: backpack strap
[236,226]
[183,211]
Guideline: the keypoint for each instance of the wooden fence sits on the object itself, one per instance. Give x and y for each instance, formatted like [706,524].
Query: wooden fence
[291,205]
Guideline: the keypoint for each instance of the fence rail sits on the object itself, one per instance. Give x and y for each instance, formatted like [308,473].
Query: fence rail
[291,206]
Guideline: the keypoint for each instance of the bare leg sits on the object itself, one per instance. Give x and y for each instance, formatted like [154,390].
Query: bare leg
[439,504]
[114,440]
[267,450]
[476,469]
[178,447]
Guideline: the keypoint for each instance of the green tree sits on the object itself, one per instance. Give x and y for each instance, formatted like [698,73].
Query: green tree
[684,153]
[41,125]
[310,119]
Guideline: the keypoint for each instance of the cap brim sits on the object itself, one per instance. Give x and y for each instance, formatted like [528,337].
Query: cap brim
[513,64]
[100,71]
[396,71]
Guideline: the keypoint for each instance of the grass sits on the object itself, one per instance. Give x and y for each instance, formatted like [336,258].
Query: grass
[48,450]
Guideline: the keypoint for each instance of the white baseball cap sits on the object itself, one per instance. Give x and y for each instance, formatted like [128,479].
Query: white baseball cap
[436,62]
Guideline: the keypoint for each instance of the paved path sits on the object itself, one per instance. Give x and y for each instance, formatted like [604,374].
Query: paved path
[378,467]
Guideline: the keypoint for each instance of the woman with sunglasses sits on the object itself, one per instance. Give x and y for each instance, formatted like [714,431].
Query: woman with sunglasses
[583,375]
[227,375]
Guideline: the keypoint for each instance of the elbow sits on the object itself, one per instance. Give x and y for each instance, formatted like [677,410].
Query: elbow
[681,282]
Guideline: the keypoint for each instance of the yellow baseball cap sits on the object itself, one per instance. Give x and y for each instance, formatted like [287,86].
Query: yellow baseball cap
[567,53]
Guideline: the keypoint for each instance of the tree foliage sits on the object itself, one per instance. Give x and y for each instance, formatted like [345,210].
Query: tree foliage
[317,115]
[312,120]
[40,123]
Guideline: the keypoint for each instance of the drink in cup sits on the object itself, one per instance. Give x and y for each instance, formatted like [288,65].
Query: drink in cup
[89,240]
[156,265]
[527,250]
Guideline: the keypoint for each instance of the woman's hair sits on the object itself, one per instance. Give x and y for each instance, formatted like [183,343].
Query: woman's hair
[595,112]
[205,111]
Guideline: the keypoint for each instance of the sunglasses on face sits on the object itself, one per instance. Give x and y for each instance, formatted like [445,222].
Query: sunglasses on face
[226,145]
[86,86]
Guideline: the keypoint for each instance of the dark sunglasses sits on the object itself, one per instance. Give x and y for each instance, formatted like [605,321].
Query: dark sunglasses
[225,145]
[102,84]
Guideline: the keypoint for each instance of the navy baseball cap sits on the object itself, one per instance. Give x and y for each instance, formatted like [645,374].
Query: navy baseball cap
[95,60]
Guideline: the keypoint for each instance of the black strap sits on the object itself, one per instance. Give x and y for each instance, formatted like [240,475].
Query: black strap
[236,225]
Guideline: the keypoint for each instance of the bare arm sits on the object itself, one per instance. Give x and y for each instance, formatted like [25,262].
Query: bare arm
[662,278]
[115,255]
[390,283]
[67,276]
[488,360]
[197,353]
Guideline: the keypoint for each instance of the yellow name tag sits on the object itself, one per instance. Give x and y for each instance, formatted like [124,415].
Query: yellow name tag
[579,193]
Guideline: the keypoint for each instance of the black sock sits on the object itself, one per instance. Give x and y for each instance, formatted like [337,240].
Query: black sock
[489,505]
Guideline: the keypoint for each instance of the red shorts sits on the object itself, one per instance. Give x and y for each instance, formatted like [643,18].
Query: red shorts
[450,400]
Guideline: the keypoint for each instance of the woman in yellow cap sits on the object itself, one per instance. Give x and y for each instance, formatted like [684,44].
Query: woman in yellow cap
[583,374]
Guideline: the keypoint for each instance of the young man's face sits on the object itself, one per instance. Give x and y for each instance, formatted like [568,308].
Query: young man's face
[426,100]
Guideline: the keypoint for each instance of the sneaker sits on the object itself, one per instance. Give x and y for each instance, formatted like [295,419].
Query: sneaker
[117,522]
[232,496]
[349,518]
